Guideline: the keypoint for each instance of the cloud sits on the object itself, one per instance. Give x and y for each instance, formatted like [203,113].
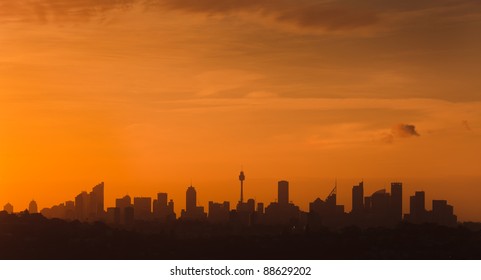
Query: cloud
[404,130]
[341,16]
[400,130]
[58,10]
[303,14]
[318,16]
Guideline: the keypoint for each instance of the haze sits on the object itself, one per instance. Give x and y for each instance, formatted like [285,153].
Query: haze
[150,96]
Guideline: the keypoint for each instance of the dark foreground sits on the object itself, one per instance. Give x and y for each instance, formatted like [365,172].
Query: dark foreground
[34,237]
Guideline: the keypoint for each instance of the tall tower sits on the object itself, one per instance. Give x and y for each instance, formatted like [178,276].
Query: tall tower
[358,198]
[32,207]
[242,177]
[283,192]
[190,199]
[397,200]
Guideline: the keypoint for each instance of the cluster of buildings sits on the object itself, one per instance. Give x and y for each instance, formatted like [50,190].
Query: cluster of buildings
[381,208]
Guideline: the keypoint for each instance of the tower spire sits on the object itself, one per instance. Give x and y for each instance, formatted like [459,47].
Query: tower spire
[241,179]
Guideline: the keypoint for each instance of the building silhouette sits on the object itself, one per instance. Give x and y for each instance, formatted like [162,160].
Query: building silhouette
[192,211]
[8,208]
[32,207]
[219,212]
[82,205]
[90,206]
[380,209]
[112,216]
[358,198]
[244,211]
[417,209]
[397,201]
[327,213]
[163,210]
[442,213]
[282,212]
[283,192]
[69,210]
[142,208]
[96,202]
[126,210]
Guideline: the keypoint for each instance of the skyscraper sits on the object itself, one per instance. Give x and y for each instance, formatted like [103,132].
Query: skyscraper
[380,203]
[163,210]
[397,200]
[219,212]
[283,192]
[417,210]
[96,202]
[142,208]
[82,206]
[162,199]
[192,211]
[358,198]
[190,199]
[32,207]
[443,213]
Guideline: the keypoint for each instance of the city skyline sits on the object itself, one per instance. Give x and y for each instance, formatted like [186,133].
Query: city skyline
[380,208]
[149,95]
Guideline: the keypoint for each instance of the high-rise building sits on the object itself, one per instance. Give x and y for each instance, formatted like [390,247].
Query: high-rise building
[90,206]
[417,209]
[170,209]
[162,199]
[260,208]
[397,200]
[192,211]
[113,215]
[358,198]
[219,212]
[443,213]
[96,202]
[69,210]
[380,202]
[163,210]
[32,207]
[283,192]
[82,206]
[190,199]
[122,204]
[142,208]
[281,212]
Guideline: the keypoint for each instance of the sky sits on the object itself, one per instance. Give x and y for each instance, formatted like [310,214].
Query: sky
[152,95]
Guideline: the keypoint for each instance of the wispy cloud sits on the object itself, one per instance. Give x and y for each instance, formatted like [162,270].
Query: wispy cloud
[341,16]
[58,10]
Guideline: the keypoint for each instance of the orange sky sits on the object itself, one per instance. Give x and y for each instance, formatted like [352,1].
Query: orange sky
[148,97]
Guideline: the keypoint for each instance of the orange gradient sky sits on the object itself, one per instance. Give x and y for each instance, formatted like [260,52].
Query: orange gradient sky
[149,95]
